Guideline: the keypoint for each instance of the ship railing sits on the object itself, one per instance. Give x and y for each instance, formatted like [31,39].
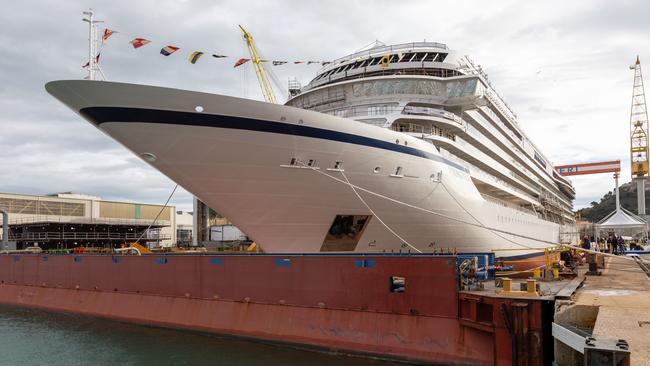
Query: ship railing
[434,112]
[421,129]
[488,176]
[499,102]
[363,111]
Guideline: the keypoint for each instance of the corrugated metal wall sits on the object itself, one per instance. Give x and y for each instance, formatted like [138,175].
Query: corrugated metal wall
[40,206]
[119,210]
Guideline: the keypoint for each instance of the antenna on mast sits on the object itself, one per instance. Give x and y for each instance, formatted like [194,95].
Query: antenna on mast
[93,67]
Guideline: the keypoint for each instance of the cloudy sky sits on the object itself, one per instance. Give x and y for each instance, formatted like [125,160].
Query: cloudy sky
[561,65]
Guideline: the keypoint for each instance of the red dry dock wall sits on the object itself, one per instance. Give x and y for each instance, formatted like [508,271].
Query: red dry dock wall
[332,301]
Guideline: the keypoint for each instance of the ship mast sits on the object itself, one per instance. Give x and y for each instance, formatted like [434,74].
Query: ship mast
[92,43]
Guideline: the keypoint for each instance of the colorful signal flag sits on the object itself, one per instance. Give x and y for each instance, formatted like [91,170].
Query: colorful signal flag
[139,42]
[168,50]
[241,61]
[195,56]
[107,34]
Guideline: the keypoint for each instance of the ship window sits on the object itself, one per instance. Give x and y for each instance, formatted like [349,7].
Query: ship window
[311,162]
[406,58]
[338,165]
[376,170]
[429,57]
[375,61]
[398,170]
[293,161]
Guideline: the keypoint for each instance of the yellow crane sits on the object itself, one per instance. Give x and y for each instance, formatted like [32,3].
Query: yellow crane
[639,136]
[262,77]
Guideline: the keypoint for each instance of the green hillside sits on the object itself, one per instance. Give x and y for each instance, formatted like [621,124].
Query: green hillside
[599,210]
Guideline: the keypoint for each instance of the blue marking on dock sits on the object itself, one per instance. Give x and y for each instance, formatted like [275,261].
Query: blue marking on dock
[216,261]
[77,259]
[45,258]
[161,260]
[116,260]
[364,263]
[16,259]
[283,262]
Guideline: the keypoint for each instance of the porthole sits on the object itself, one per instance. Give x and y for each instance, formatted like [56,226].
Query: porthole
[376,170]
[198,108]
[397,141]
[151,158]
[406,143]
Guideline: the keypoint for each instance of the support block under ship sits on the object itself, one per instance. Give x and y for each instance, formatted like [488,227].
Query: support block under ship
[397,148]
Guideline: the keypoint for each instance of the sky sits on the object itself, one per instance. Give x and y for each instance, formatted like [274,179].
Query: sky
[562,66]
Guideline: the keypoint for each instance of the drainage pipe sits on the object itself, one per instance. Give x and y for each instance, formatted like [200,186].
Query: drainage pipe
[5,228]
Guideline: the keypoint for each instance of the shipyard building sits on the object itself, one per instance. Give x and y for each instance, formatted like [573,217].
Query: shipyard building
[69,220]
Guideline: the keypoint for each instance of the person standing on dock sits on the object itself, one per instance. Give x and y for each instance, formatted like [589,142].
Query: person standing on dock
[586,244]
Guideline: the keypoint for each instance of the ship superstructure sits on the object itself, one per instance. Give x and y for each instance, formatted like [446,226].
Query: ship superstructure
[396,148]
[430,92]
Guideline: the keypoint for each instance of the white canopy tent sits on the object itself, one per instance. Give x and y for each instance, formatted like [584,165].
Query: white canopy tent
[622,222]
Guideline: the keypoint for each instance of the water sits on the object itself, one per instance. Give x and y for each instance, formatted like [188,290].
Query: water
[35,337]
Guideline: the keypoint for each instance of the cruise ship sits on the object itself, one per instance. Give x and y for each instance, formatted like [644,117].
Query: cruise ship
[400,148]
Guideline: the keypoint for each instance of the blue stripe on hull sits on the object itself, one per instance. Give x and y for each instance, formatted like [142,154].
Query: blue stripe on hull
[99,115]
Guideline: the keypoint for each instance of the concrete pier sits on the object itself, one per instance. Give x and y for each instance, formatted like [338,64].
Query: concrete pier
[611,306]
[622,295]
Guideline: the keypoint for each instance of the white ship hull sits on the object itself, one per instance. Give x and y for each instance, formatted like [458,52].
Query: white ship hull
[236,156]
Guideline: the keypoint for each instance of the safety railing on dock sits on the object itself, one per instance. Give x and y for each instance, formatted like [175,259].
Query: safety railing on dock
[91,235]
[84,220]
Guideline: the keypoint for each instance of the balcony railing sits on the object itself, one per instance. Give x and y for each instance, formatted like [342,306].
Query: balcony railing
[421,129]
[434,112]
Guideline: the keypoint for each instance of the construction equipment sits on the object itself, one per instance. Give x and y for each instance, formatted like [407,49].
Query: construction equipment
[262,77]
[141,248]
[639,136]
